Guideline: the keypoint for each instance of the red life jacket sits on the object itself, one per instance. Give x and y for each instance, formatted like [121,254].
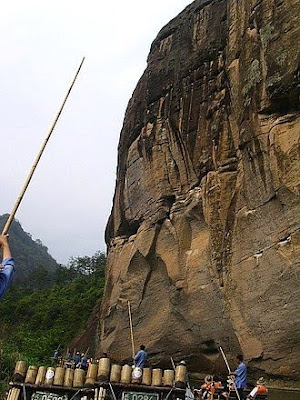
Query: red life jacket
[261,389]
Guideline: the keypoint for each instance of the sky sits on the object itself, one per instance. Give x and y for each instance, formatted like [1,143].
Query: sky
[42,43]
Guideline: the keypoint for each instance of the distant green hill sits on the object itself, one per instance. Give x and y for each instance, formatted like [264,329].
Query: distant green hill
[34,264]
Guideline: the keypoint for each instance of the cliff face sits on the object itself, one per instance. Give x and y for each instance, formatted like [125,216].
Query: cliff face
[204,235]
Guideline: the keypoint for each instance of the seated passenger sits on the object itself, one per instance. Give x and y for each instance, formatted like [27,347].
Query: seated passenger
[260,388]
[208,388]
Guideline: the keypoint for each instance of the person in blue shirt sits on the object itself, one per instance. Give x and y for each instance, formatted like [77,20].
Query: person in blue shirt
[55,358]
[240,376]
[83,362]
[76,359]
[140,358]
[7,268]
[69,357]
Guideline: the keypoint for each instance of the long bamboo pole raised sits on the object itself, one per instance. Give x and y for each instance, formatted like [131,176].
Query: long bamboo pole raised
[227,365]
[131,330]
[23,190]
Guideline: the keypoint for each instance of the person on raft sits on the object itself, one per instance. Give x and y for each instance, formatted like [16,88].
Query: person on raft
[240,376]
[56,358]
[84,362]
[207,389]
[260,388]
[7,268]
[140,358]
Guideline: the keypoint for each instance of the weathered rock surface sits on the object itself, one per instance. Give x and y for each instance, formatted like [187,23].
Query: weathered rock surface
[204,234]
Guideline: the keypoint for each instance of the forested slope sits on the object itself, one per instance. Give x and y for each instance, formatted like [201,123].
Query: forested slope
[31,256]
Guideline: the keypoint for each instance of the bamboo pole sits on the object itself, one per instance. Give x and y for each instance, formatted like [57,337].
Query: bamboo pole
[14,394]
[168,395]
[75,394]
[131,331]
[227,365]
[67,352]
[112,391]
[173,364]
[24,392]
[10,394]
[23,190]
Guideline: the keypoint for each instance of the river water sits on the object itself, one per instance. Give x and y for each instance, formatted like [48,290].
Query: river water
[274,394]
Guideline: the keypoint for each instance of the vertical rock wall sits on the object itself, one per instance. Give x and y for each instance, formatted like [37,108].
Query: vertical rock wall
[203,238]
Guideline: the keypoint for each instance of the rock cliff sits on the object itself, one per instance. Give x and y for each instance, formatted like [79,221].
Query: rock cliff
[203,238]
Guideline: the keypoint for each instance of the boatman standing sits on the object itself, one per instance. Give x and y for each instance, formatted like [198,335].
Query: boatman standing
[7,268]
[240,376]
[141,357]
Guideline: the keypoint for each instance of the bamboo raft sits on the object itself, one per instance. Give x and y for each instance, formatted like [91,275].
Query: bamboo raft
[103,381]
[101,391]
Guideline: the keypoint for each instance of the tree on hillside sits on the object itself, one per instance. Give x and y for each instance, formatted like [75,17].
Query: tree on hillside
[89,265]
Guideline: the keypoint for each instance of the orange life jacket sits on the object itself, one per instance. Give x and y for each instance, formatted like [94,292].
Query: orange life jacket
[261,389]
[211,388]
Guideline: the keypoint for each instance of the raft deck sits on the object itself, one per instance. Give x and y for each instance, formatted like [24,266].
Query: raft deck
[120,392]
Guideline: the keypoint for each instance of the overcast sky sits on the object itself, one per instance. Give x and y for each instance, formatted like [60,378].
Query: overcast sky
[42,43]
